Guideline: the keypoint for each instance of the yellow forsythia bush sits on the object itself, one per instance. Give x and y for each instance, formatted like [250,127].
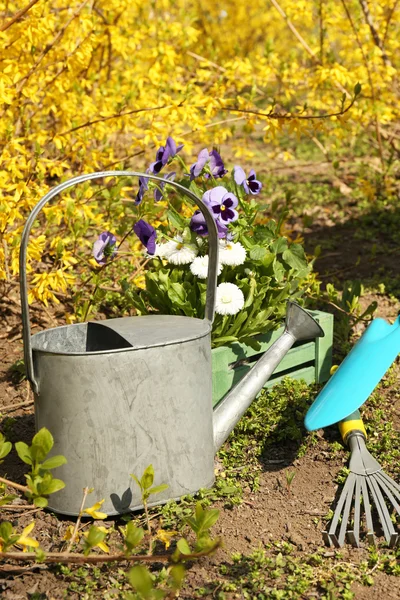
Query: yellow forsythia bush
[94,84]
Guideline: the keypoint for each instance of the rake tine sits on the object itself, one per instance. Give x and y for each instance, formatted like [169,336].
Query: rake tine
[367,510]
[391,483]
[370,488]
[354,535]
[346,512]
[338,511]
[388,491]
[383,512]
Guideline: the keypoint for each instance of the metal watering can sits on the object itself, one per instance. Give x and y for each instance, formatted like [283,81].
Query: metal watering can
[357,376]
[122,393]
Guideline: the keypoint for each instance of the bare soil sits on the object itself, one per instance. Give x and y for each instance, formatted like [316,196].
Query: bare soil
[273,513]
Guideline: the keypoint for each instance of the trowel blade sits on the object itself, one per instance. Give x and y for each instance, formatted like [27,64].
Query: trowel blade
[357,376]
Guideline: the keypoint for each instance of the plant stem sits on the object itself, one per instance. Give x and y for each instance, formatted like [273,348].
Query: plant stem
[75,558]
[146,510]
[72,540]
[17,486]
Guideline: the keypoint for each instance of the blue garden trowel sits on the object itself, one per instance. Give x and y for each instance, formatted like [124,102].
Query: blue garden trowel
[357,376]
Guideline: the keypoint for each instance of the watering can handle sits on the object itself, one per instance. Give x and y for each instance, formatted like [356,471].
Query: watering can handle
[212,265]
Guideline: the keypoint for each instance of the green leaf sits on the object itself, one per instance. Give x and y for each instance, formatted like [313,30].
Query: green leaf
[175,219]
[158,488]
[51,487]
[177,294]
[137,480]
[147,478]
[279,270]
[133,535]
[141,580]
[177,574]
[5,448]
[295,257]
[6,530]
[40,502]
[54,462]
[279,245]
[226,339]
[357,89]
[258,253]
[24,452]
[183,547]
[95,536]
[268,259]
[40,555]
[7,499]
[210,517]
[42,443]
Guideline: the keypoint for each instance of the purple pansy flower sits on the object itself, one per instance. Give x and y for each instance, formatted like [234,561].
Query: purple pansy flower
[199,165]
[104,247]
[146,234]
[217,166]
[222,203]
[143,187]
[250,184]
[163,154]
[158,192]
[198,225]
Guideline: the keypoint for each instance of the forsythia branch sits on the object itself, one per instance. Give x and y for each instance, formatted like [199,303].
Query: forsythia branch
[288,116]
[75,558]
[18,15]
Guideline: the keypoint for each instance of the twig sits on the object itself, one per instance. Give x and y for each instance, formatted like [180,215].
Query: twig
[49,46]
[74,533]
[389,18]
[374,32]
[17,486]
[117,116]
[17,506]
[29,512]
[304,43]
[288,116]
[18,15]
[12,407]
[5,246]
[370,81]
[74,558]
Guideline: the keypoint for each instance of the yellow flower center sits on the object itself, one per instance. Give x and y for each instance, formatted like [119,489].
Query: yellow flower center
[179,246]
[226,299]
[223,207]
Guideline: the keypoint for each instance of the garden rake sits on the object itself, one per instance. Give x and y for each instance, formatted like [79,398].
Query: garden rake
[367,484]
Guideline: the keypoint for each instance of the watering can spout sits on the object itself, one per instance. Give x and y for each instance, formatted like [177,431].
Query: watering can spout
[299,325]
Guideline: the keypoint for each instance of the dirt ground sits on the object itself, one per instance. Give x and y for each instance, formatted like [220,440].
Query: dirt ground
[273,513]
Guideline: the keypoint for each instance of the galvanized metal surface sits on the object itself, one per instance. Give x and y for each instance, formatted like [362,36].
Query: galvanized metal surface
[213,251]
[114,414]
[120,335]
[299,326]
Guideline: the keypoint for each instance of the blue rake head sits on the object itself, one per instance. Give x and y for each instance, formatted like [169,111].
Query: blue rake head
[357,376]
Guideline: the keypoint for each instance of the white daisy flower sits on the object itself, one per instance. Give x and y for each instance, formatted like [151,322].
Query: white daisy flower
[177,252]
[232,253]
[199,267]
[229,299]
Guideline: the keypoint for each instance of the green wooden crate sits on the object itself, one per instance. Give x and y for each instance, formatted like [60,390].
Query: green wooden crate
[310,361]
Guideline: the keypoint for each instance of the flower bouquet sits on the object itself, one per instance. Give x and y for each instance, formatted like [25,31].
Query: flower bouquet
[259,268]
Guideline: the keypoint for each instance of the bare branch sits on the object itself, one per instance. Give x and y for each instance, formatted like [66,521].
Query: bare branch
[18,15]
[75,558]
[374,32]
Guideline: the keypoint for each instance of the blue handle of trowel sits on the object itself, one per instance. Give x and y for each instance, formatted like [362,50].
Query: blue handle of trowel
[357,376]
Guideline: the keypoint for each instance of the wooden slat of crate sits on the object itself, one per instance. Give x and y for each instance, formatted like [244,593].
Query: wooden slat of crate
[310,361]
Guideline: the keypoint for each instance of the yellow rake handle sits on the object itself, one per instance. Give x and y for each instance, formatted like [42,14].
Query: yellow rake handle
[350,424]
